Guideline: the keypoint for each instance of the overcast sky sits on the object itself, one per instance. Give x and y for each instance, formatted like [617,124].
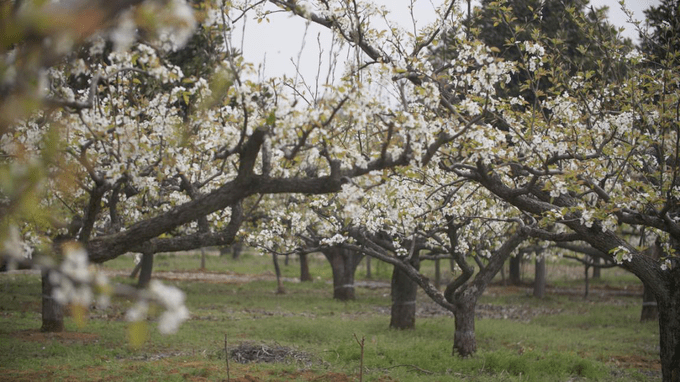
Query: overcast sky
[279,42]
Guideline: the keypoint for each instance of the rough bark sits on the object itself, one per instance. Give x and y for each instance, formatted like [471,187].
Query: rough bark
[404,292]
[344,263]
[52,311]
[464,339]
[669,329]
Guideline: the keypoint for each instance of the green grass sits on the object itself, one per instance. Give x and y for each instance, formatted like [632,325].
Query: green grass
[579,340]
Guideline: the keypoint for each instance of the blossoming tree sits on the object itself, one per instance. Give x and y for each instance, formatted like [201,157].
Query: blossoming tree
[129,153]
[593,154]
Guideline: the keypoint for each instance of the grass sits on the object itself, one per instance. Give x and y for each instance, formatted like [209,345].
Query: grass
[572,339]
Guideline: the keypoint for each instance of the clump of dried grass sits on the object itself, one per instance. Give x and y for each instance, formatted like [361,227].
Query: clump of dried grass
[248,352]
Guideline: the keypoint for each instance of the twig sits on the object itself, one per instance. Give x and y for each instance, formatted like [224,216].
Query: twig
[361,364]
[226,356]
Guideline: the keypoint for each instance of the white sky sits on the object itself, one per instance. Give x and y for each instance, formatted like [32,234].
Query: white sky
[279,42]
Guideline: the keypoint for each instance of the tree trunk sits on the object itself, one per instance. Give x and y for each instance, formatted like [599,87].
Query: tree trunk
[585,294]
[146,266]
[368,268]
[304,268]
[52,311]
[437,273]
[539,277]
[343,263]
[279,282]
[650,310]
[236,250]
[669,333]
[202,258]
[464,340]
[597,271]
[515,270]
[404,292]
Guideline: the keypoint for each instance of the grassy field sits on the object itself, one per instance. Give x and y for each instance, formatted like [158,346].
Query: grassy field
[314,338]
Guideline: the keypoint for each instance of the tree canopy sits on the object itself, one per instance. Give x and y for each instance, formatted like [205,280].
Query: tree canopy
[151,133]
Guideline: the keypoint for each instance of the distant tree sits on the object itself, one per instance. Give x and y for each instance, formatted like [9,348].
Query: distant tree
[662,43]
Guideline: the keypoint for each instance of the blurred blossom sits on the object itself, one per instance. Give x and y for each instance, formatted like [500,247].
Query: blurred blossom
[138,312]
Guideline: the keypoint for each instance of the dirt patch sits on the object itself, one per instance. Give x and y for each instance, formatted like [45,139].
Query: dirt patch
[63,337]
[636,362]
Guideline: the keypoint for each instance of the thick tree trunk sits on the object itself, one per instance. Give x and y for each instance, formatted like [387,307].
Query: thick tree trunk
[515,270]
[539,277]
[464,340]
[304,268]
[52,311]
[669,334]
[146,267]
[343,263]
[404,292]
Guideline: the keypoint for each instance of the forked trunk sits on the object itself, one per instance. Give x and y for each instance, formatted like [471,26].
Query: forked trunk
[464,340]
[343,264]
[52,311]
[404,292]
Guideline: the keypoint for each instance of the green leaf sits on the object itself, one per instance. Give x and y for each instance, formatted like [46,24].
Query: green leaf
[271,119]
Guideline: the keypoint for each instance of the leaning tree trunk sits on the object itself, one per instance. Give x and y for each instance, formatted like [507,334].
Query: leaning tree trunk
[404,292]
[52,311]
[304,268]
[279,281]
[343,264]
